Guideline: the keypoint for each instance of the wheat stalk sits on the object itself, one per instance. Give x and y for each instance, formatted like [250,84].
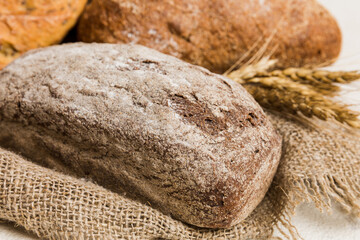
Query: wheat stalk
[296,90]
[320,80]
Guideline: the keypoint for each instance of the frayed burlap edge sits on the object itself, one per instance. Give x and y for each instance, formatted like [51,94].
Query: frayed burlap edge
[320,163]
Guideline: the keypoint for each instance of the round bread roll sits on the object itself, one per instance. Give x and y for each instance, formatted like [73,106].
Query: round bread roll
[216,33]
[30,24]
[189,142]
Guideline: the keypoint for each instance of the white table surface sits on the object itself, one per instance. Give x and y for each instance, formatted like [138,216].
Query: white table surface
[311,224]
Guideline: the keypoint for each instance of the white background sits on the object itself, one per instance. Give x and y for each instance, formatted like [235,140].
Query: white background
[311,224]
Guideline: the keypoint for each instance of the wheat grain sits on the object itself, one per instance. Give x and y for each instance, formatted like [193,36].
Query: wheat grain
[281,99]
[302,74]
[320,80]
[296,90]
[248,71]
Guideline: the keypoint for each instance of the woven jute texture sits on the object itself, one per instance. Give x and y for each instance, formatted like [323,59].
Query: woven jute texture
[316,165]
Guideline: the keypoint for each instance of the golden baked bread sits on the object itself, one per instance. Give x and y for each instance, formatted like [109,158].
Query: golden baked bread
[29,24]
[216,33]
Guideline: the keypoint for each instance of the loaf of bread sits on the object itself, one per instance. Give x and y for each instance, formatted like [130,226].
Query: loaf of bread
[216,33]
[25,25]
[189,142]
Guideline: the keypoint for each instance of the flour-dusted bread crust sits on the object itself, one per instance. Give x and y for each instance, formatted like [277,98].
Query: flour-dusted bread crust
[29,24]
[216,33]
[189,142]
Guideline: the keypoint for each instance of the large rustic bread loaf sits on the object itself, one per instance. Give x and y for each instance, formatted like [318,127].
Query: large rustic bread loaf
[216,33]
[189,142]
[25,25]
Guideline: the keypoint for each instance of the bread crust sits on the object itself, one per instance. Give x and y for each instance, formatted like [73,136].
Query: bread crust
[216,33]
[189,142]
[30,24]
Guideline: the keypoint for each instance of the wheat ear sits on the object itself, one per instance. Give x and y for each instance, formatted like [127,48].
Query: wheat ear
[296,90]
[320,80]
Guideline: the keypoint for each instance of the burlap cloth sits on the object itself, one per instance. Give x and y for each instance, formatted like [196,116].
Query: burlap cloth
[316,165]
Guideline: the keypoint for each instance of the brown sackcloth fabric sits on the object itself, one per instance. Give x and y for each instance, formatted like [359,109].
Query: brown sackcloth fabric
[316,165]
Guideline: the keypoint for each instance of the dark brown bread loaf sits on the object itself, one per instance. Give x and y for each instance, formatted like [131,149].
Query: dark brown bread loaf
[189,142]
[216,33]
